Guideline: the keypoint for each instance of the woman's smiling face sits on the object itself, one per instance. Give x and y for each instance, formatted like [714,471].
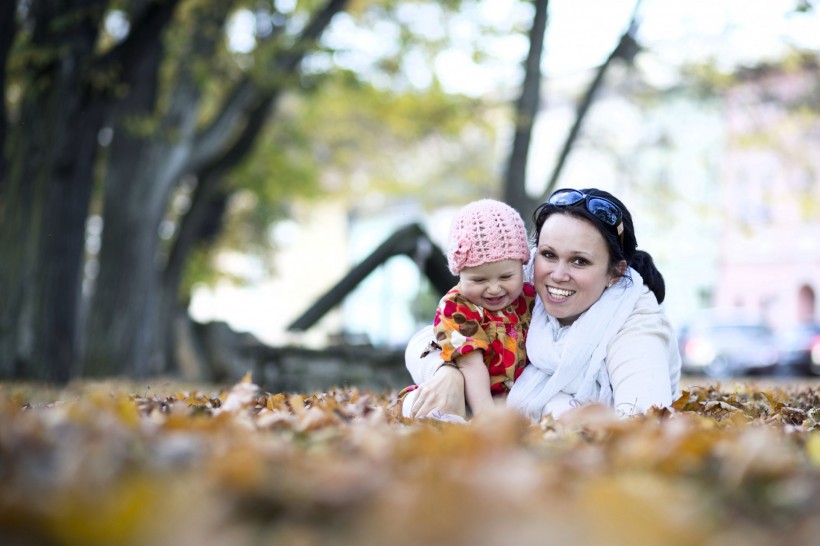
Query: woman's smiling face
[572,267]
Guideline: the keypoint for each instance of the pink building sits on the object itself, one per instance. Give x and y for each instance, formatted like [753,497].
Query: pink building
[769,258]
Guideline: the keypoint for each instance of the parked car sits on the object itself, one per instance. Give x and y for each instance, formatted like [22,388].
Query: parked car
[721,347]
[800,350]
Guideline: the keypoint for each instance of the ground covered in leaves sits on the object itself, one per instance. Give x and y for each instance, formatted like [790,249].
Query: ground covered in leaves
[113,463]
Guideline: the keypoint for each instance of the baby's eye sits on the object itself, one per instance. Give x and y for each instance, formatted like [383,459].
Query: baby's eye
[506,277]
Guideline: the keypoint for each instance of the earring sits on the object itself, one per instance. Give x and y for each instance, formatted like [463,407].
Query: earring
[609,284]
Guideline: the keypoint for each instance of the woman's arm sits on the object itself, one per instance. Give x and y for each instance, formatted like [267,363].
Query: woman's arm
[643,360]
[440,387]
[420,360]
[443,392]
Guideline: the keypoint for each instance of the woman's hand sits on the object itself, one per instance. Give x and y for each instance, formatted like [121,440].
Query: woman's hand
[444,392]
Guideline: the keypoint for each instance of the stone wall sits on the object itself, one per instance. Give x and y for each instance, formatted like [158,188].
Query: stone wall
[212,352]
[292,369]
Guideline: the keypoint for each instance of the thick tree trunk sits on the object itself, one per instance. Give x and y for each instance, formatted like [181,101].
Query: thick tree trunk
[526,108]
[46,195]
[128,330]
[123,329]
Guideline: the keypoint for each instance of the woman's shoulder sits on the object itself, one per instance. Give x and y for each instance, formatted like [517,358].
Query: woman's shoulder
[648,316]
[647,303]
[647,341]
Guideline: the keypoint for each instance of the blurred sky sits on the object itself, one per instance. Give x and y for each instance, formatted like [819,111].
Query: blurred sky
[730,31]
[581,34]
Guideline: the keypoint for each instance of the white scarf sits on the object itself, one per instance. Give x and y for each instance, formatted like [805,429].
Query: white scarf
[577,364]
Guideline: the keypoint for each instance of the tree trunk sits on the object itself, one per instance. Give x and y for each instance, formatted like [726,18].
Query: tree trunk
[123,312]
[526,108]
[133,307]
[125,290]
[46,194]
[8,30]
[124,332]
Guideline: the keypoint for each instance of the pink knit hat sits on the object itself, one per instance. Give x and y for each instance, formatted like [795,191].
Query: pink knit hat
[486,231]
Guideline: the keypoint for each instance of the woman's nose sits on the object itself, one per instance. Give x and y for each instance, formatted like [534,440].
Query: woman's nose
[560,272]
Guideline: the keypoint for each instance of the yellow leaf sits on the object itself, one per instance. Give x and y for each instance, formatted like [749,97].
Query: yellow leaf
[121,514]
[813,449]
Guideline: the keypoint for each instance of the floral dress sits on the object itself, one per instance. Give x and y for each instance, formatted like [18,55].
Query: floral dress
[462,327]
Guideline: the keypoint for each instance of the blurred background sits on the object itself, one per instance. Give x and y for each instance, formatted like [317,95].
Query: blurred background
[202,188]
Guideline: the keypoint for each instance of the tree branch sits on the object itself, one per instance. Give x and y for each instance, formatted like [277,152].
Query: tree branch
[406,241]
[222,129]
[626,48]
[209,178]
[526,108]
[310,34]
[248,94]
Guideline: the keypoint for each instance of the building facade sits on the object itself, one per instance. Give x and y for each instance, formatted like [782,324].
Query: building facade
[769,248]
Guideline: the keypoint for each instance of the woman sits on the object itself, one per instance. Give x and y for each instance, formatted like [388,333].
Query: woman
[598,333]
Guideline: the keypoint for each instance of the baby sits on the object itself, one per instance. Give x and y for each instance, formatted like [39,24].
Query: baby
[481,324]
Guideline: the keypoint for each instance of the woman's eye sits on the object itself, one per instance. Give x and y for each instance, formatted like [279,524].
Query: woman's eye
[548,255]
[580,261]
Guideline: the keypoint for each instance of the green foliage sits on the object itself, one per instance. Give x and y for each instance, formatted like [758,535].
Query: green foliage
[200,270]
[390,138]
[710,82]
[75,17]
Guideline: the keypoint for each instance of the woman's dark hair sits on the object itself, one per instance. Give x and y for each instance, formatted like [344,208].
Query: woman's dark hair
[639,260]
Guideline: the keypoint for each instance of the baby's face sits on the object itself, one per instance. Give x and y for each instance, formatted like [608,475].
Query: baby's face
[493,286]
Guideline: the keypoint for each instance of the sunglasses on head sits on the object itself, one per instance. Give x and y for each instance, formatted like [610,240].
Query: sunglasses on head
[600,207]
